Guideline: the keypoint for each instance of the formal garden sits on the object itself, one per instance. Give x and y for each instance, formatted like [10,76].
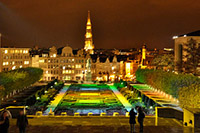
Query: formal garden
[85,98]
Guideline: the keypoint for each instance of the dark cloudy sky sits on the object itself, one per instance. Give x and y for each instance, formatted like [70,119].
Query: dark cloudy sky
[116,23]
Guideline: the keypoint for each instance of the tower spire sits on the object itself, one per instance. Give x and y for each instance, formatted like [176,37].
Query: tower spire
[88,36]
[88,19]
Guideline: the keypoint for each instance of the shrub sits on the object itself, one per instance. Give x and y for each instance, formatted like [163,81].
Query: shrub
[19,78]
[189,96]
[168,82]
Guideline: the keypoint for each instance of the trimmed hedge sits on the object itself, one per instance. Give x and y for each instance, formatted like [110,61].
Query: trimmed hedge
[168,82]
[18,79]
[189,97]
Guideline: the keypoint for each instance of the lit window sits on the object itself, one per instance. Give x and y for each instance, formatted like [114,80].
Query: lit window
[113,68]
[54,55]
[63,71]
[6,51]
[78,66]
[26,62]
[14,67]
[67,78]
[20,66]
[41,61]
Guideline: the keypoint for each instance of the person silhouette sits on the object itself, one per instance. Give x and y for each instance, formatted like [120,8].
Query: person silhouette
[4,122]
[141,117]
[22,122]
[132,121]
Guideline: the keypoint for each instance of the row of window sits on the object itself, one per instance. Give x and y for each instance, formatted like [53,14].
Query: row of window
[67,77]
[15,63]
[62,61]
[64,72]
[66,66]
[60,78]
[68,71]
[13,68]
[16,51]
[15,57]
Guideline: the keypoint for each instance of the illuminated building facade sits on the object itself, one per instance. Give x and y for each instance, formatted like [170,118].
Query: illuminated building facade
[143,56]
[88,36]
[128,69]
[106,69]
[179,46]
[62,66]
[13,58]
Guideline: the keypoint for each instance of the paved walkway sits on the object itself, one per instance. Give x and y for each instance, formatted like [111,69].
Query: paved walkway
[159,97]
[57,100]
[99,125]
[121,98]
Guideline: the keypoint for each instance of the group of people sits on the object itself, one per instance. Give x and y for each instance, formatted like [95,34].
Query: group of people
[5,117]
[132,121]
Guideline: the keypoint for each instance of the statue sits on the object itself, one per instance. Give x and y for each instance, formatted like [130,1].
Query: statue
[88,72]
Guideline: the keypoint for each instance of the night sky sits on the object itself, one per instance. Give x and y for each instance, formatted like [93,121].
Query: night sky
[116,23]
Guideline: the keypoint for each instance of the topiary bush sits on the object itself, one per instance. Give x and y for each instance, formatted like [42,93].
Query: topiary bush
[189,97]
[18,79]
[168,82]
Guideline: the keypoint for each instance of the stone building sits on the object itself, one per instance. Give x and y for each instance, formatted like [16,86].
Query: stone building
[13,58]
[63,65]
[179,46]
[128,69]
[105,68]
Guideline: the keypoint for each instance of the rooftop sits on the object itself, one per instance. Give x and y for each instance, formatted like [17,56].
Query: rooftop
[194,33]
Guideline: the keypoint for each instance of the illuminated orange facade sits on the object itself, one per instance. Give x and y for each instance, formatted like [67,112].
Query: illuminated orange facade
[128,69]
[14,58]
[143,65]
[88,36]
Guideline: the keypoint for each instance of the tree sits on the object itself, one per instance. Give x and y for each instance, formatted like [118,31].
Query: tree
[191,56]
[165,60]
[2,89]
[189,96]
[168,82]
[19,79]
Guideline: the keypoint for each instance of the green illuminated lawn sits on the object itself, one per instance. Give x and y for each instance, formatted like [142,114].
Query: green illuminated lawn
[88,97]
